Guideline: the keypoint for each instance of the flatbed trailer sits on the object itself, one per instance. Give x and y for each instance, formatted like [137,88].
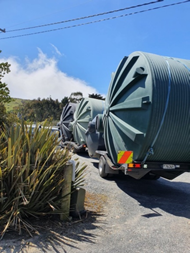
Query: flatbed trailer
[138,169]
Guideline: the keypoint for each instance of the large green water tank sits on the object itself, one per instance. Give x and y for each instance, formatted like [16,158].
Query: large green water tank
[65,119]
[86,111]
[147,109]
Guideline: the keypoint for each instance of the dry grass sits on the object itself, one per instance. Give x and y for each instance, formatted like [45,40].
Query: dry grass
[95,202]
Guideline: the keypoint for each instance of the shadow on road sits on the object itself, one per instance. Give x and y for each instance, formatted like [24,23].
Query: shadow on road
[54,234]
[170,196]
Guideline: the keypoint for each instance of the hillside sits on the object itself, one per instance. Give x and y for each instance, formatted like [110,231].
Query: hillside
[15,103]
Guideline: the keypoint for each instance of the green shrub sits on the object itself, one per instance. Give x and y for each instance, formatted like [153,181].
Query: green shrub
[31,175]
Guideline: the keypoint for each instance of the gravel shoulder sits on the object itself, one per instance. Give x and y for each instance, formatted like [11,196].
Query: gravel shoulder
[123,215]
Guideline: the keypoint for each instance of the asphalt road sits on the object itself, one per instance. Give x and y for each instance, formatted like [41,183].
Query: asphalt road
[124,215]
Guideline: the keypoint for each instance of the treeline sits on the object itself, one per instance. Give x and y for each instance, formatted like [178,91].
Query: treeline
[38,110]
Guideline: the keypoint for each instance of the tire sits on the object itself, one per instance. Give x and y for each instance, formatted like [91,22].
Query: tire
[102,167]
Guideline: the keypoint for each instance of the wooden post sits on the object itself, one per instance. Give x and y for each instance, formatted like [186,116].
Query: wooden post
[67,174]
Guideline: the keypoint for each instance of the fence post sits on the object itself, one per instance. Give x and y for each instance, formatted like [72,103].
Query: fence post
[66,191]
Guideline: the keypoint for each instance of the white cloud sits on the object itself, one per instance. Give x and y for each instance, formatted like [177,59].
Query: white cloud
[42,78]
[56,50]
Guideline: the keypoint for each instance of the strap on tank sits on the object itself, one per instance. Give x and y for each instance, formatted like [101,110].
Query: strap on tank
[183,64]
[151,150]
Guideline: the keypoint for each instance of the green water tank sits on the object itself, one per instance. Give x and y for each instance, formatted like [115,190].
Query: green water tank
[147,109]
[65,119]
[86,111]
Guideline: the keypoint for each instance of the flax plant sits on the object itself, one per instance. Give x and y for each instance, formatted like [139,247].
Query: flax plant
[31,175]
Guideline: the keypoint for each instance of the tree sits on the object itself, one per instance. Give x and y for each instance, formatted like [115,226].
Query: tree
[64,101]
[40,110]
[96,96]
[4,90]
[75,97]
[2,114]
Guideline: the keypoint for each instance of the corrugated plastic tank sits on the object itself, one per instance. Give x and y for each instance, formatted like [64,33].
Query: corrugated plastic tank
[65,119]
[147,109]
[86,111]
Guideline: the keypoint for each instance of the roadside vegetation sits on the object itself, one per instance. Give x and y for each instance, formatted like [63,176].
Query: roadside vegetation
[31,176]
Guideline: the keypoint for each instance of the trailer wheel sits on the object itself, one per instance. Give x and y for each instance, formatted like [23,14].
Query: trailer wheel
[102,167]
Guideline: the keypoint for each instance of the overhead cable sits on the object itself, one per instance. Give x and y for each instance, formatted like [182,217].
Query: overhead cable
[2,30]
[96,21]
[85,17]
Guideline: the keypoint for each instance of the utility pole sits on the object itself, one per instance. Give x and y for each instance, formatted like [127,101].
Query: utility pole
[2,30]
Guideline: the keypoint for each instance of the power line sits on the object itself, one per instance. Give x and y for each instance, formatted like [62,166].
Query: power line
[2,30]
[49,14]
[85,17]
[100,20]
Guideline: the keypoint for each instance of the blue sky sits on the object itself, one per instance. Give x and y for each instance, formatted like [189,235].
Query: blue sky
[82,58]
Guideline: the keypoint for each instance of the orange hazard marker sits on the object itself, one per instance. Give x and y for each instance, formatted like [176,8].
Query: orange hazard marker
[124,157]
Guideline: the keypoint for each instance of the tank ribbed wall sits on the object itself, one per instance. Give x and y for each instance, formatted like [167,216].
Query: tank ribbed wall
[172,143]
